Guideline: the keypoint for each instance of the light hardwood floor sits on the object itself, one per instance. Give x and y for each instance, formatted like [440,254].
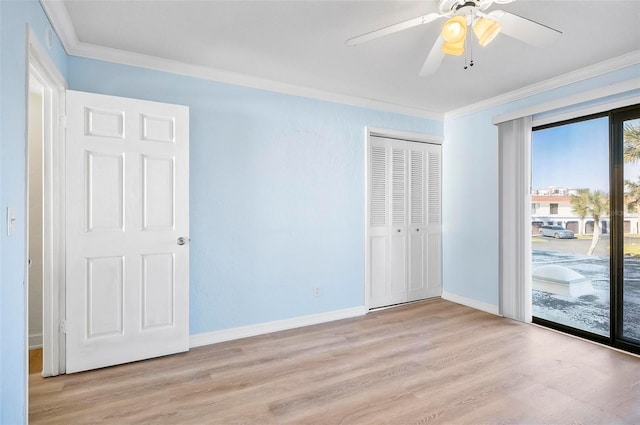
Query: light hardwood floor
[35,360]
[423,363]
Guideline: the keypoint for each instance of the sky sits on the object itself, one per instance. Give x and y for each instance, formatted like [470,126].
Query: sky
[575,156]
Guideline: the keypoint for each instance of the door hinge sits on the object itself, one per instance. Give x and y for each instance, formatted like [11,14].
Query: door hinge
[63,326]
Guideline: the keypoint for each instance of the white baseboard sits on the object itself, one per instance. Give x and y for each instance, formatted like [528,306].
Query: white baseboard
[469,302]
[214,337]
[35,341]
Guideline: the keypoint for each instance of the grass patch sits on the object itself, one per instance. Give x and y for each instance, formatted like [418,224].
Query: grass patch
[632,250]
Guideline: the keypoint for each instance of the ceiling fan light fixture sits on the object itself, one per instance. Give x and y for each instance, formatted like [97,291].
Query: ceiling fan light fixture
[455,29]
[455,49]
[486,30]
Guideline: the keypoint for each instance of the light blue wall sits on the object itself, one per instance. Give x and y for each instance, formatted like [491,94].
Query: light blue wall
[470,191]
[2,218]
[276,198]
[14,18]
[470,208]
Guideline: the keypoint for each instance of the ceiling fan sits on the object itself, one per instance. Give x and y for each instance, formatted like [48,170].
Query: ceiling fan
[461,14]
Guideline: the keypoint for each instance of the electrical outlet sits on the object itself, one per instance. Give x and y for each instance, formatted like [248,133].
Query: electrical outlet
[316,291]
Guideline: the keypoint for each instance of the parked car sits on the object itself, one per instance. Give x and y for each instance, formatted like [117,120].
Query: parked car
[557,232]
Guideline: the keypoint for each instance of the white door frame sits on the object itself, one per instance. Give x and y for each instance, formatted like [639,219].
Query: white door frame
[43,70]
[390,134]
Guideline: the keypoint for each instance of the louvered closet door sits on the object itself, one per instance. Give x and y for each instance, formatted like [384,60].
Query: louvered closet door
[424,227]
[379,220]
[397,233]
[404,221]
[434,221]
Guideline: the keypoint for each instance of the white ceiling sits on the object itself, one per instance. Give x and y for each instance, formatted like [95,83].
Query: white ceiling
[302,43]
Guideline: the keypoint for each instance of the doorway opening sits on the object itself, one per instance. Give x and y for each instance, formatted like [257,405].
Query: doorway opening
[35,220]
[44,274]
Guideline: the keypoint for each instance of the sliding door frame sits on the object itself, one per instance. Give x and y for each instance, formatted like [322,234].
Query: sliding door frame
[616,253]
[616,138]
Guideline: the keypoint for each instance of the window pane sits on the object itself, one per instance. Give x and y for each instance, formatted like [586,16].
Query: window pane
[631,284]
[570,225]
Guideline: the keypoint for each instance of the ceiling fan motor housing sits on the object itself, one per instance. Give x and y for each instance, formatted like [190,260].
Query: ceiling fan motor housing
[459,7]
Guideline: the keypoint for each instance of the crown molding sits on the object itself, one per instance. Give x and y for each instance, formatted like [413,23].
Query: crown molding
[123,57]
[59,18]
[61,22]
[629,59]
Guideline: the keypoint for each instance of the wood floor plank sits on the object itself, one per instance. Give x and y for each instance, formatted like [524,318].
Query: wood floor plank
[423,363]
[35,360]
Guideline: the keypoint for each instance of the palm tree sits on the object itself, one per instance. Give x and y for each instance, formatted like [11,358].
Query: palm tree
[632,195]
[631,142]
[631,153]
[591,204]
[579,205]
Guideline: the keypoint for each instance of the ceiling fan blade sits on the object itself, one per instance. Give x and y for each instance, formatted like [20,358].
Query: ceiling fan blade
[420,20]
[436,55]
[524,29]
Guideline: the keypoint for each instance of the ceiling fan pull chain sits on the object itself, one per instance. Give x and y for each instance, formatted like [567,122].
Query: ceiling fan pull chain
[468,54]
[471,44]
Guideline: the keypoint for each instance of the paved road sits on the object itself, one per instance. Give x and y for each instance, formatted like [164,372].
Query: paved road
[576,246]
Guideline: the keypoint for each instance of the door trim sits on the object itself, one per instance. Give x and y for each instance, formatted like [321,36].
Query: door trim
[389,134]
[41,67]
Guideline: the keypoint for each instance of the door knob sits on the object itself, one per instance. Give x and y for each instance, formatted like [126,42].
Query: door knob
[182,240]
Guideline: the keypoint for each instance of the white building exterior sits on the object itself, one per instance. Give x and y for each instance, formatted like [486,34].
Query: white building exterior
[553,206]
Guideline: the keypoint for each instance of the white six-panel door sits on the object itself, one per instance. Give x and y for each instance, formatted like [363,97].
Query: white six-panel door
[404,228]
[127,198]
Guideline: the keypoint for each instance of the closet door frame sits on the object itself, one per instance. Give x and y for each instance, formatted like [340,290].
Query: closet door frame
[389,134]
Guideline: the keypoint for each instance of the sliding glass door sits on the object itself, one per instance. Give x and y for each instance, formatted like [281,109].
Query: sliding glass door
[626,127]
[585,206]
[570,224]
